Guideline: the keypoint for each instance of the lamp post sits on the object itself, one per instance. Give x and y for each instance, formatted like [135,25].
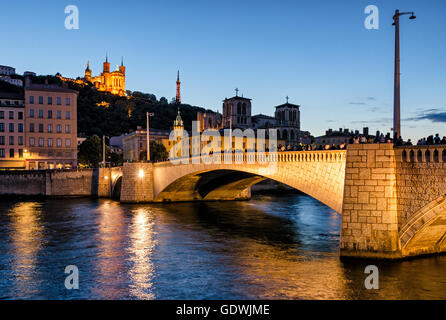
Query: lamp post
[396,96]
[148,115]
[103,150]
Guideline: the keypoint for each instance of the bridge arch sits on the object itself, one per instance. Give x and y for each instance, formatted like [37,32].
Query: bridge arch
[319,174]
[425,233]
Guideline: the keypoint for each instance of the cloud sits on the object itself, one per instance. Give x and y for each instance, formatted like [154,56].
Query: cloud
[358,103]
[433,115]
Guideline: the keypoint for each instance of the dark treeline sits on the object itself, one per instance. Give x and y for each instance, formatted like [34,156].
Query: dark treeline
[102,113]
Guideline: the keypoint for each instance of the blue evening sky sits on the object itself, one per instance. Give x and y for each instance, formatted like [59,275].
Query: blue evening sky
[317,52]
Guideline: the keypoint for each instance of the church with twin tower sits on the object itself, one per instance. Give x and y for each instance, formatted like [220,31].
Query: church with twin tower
[113,82]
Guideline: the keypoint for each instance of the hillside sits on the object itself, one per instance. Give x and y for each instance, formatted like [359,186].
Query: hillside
[102,113]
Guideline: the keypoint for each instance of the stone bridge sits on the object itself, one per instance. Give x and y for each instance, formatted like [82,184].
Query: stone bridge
[392,200]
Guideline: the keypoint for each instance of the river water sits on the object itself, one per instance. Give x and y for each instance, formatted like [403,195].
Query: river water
[272,247]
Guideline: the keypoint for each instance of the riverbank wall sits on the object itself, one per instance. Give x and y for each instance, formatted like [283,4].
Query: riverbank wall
[97,182]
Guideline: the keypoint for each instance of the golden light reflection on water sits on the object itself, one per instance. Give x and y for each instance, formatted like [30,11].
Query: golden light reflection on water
[289,276]
[112,231]
[142,244]
[27,240]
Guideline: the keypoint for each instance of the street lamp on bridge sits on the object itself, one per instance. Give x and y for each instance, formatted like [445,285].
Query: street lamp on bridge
[396,97]
[148,115]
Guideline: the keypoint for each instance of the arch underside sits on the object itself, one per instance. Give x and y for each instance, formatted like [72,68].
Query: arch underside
[233,184]
[426,232]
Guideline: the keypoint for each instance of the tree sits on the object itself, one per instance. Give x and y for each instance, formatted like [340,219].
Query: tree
[90,152]
[158,152]
[163,100]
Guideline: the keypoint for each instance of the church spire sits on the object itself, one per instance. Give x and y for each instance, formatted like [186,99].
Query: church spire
[122,61]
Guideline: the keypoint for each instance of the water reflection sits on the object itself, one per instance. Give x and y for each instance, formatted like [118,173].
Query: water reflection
[111,239]
[27,239]
[142,244]
[278,247]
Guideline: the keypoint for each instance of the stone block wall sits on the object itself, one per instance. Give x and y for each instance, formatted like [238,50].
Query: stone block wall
[137,182]
[370,214]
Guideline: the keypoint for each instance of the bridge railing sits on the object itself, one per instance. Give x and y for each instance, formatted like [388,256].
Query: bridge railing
[421,154]
[266,157]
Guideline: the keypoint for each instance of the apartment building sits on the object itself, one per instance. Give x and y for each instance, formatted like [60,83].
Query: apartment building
[50,127]
[12,134]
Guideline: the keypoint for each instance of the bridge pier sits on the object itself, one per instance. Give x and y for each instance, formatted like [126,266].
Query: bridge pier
[137,182]
[369,226]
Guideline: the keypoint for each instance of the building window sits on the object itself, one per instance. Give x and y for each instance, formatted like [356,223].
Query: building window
[31,113]
[68,115]
[2,114]
[20,142]
[2,140]
[59,128]
[59,142]
[32,142]
[20,153]
[20,127]
[50,128]
[67,101]
[31,99]
[67,128]
[20,115]
[11,153]
[11,127]
[41,114]
[40,127]
[2,153]
[40,100]
[41,143]
[59,114]
[59,101]
[50,114]
[50,142]
[67,143]
[2,127]
[11,140]
[11,115]
[50,100]
[31,127]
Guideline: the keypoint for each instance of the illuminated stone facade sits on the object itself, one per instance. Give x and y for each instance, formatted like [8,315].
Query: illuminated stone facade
[113,82]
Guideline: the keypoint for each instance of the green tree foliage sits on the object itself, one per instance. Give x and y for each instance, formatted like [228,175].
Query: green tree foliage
[103,113]
[90,152]
[158,152]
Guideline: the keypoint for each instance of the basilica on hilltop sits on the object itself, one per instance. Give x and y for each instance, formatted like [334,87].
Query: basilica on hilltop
[113,82]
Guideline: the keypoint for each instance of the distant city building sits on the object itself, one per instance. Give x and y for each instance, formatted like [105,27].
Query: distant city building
[341,137]
[8,74]
[135,142]
[6,71]
[209,120]
[50,127]
[286,121]
[29,74]
[237,112]
[12,135]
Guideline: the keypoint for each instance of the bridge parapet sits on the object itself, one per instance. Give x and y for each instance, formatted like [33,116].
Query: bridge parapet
[266,157]
[422,154]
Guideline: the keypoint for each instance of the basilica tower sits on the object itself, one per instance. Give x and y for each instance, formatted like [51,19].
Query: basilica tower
[106,64]
[88,72]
